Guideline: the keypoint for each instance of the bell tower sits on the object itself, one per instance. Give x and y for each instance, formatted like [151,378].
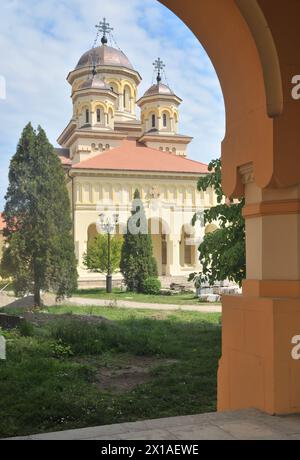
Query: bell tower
[160,116]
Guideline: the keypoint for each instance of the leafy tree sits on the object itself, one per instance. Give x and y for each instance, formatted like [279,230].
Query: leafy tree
[222,253]
[137,261]
[40,250]
[96,257]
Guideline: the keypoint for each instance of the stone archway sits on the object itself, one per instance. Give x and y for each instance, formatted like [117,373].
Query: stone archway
[254,46]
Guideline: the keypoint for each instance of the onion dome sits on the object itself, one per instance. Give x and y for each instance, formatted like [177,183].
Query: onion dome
[104,56]
[159,89]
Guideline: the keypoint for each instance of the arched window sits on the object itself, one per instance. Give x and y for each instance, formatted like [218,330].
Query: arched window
[153,121]
[115,90]
[87,116]
[164,120]
[92,233]
[187,250]
[126,97]
[98,115]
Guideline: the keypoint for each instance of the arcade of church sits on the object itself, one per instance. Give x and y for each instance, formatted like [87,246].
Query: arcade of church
[175,241]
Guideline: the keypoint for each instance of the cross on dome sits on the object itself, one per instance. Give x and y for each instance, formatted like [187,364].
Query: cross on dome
[159,66]
[105,28]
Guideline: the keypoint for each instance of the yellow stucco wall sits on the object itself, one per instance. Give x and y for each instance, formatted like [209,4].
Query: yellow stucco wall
[179,199]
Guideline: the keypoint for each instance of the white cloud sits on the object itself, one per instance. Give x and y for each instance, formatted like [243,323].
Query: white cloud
[42,40]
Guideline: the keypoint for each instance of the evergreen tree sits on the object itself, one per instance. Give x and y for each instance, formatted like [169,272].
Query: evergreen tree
[137,261]
[40,250]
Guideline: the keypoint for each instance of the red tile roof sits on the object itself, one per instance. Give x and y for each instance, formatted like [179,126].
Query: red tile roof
[65,161]
[134,156]
[2,223]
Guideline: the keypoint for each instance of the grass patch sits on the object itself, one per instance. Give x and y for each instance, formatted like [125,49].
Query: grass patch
[117,294]
[49,380]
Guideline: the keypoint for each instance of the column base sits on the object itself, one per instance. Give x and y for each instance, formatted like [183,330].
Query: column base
[257,369]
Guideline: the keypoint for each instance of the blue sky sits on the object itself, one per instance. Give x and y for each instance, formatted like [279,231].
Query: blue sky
[42,40]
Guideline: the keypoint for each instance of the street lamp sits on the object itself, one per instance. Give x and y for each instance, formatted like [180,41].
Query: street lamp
[108,225]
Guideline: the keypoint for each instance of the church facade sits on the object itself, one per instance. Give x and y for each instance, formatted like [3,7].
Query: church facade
[108,151]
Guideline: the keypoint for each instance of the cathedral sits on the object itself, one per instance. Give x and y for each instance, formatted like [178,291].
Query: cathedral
[117,142]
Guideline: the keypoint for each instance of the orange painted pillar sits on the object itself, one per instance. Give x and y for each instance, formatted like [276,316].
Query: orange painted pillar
[258,367]
[256,55]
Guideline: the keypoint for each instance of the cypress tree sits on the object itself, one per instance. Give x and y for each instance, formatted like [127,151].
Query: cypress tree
[40,250]
[137,261]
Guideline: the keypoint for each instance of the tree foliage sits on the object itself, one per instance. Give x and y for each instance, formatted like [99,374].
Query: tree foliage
[222,253]
[96,257]
[39,254]
[137,261]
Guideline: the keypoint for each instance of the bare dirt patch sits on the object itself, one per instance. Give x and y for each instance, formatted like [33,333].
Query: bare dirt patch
[126,377]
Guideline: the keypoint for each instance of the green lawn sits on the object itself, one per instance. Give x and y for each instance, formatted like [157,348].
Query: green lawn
[59,376]
[117,294]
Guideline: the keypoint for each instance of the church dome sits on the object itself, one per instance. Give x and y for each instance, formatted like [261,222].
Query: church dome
[94,82]
[106,56]
[158,89]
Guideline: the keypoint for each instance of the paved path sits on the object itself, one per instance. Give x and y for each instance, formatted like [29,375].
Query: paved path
[241,425]
[203,308]
[49,300]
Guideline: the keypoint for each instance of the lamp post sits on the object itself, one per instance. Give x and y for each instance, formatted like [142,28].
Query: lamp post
[108,226]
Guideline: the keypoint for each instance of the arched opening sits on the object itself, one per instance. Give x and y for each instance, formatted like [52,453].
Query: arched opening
[87,116]
[159,235]
[127,99]
[98,111]
[166,121]
[92,233]
[238,39]
[187,247]
[153,121]
[115,89]
[99,115]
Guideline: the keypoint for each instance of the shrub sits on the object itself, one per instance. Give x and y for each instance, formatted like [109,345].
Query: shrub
[152,286]
[26,329]
[59,350]
[96,257]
